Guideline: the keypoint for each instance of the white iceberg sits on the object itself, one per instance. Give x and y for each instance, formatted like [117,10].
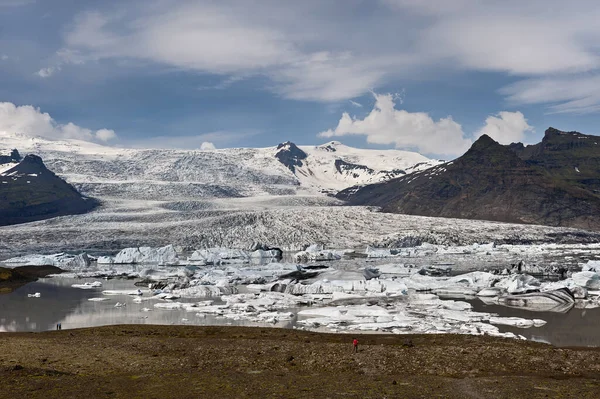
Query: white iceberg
[87,285]
[61,260]
[587,279]
[161,256]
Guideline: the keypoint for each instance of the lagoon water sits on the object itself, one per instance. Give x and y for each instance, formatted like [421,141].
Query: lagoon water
[61,303]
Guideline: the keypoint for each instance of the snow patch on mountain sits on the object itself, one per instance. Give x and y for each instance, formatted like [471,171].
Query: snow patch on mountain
[333,166]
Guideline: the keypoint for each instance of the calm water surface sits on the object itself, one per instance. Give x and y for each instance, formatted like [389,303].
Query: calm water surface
[61,303]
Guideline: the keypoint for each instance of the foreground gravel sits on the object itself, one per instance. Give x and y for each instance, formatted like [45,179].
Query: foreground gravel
[235,362]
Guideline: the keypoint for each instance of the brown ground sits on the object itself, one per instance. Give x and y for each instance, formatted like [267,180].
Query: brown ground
[233,362]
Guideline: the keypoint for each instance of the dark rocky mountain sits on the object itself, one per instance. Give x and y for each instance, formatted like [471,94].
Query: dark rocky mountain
[535,184]
[290,155]
[569,156]
[13,157]
[29,192]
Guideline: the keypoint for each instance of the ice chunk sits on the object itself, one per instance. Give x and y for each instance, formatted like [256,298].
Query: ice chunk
[560,300]
[87,285]
[62,260]
[517,322]
[105,260]
[592,266]
[491,292]
[587,279]
[315,253]
[162,256]
[519,284]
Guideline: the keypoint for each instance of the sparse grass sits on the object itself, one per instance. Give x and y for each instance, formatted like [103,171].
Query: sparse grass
[233,362]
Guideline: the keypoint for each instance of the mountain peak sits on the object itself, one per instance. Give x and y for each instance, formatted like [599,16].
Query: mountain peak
[290,155]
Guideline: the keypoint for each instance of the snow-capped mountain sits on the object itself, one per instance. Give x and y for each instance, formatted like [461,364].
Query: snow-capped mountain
[29,191]
[158,174]
[331,167]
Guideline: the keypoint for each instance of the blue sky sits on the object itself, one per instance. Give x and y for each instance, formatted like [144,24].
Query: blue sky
[424,75]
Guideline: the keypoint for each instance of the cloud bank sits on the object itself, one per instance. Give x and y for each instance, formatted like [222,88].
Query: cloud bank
[417,130]
[311,50]
[30,121]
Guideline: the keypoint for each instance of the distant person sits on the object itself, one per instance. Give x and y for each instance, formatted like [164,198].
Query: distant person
[355,345]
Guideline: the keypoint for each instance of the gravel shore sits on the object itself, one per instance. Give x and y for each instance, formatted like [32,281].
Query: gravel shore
[234,362]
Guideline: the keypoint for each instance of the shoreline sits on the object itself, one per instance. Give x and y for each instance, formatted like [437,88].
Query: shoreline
[185,361]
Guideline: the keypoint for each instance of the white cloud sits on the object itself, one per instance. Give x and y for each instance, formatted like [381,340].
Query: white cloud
[387,125]
[206,145]
[506,127]
[313,50]
[578,94]
[106,134]
[30,121]
[224,38]
[47,72]
[4,57]
[359,105]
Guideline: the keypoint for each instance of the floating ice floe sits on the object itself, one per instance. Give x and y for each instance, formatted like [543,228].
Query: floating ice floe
[316,253]
[587,279]
[123,292]
[162,256]
[61,260]
[560,300]
[426,314]
[87,285]
[519,284]
[591,266]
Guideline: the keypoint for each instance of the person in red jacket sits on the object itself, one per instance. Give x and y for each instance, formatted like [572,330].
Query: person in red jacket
[355,344]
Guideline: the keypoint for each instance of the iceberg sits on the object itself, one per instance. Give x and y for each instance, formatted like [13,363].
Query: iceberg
[317,253]
[587,279]
[61,260]
[560,300]
[161,256]
[87,286]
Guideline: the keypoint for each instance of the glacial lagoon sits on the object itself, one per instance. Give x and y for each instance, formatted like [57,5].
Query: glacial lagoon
[59,302]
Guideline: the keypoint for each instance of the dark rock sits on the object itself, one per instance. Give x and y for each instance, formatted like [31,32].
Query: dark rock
[299,275]
[29,192]
[370,273]
[290,155]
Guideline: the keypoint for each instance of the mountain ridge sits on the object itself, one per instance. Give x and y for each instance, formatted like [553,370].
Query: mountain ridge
[489,182]
[30,192]
[155,174]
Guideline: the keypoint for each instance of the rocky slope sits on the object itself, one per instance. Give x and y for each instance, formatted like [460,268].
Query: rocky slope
[514,184]
[29,192]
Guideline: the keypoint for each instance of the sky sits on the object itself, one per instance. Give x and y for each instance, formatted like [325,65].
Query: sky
[422,75]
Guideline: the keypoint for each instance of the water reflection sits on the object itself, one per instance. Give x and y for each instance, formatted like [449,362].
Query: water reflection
[577,327]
